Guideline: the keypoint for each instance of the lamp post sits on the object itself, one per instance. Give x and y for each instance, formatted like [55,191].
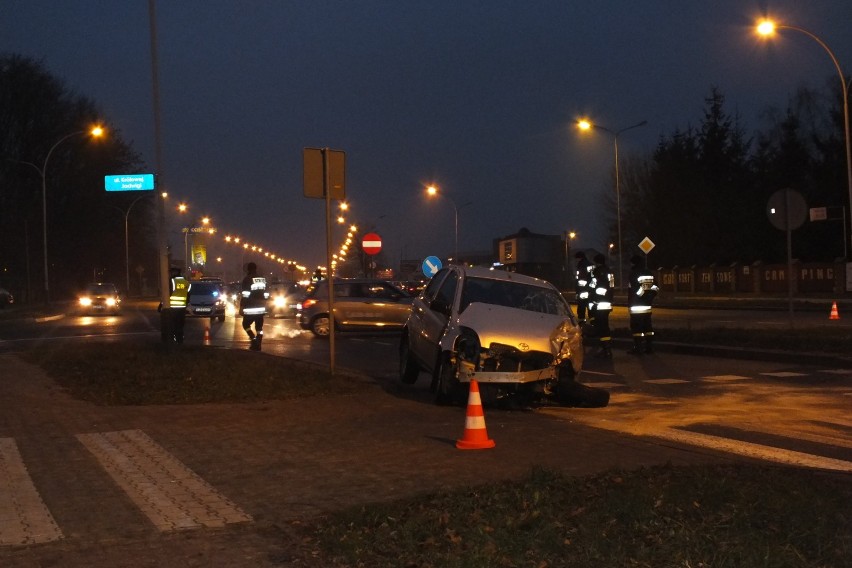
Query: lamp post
[433,190]
[587,125]
[127,239]
[96,132]
[767,28]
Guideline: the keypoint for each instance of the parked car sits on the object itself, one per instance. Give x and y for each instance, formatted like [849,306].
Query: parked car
[359,303]
[515,334]
[284,299]
[100,297]
[206,299]
[6,298]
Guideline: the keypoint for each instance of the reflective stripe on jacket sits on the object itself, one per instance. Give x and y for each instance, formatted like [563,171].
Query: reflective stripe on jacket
[179,292]
[253,296]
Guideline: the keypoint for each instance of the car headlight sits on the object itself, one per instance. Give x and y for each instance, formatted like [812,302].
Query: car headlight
[280,302]
[110,302]
[85,301]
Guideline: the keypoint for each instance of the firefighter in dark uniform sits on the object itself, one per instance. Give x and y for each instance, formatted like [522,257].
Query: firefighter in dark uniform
[581,286]
[600,304]
[641,292]
[175,315]
[253,298]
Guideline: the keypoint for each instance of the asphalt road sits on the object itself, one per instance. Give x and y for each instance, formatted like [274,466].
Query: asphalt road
[781,410]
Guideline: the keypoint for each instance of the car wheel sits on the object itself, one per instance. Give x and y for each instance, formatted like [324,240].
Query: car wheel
[447,388]
[319,326]
[409,370]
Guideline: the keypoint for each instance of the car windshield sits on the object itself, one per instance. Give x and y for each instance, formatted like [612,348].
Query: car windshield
[206,288]
[101,289]
[513,295]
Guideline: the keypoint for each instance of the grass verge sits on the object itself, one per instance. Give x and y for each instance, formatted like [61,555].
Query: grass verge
[153,373]
[710,516]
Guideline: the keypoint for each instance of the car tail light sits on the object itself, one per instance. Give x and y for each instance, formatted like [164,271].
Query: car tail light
[308,303]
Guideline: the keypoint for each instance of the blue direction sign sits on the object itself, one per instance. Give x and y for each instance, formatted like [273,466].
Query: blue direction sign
[129,182]
[431,265]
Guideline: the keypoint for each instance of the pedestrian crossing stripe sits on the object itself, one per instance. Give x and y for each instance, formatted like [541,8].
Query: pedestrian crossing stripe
[725,378]
[666,381]
[24,518]
[171,495]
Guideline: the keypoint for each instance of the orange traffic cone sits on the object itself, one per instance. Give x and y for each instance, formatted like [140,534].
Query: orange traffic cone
[206,336]
[835,315]
[475,437]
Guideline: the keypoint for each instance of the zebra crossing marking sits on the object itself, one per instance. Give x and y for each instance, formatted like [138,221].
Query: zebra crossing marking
[725,378]
[171,495]
[24,518]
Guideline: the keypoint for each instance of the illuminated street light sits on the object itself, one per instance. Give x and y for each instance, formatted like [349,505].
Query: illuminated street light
[95,132]
[585,125]
[767,28]
[433,191]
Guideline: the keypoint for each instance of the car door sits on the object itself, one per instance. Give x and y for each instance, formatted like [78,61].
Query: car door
[417,316]
[388,306]
[433,315]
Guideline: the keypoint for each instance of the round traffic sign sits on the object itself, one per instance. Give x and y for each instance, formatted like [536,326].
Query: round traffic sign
[431,265]
[372,243]
[787,209]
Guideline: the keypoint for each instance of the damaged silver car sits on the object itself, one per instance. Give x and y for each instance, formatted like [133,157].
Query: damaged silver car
[514,334]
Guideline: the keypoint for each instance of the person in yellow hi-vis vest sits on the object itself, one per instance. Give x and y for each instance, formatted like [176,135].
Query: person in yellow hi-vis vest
[179,290]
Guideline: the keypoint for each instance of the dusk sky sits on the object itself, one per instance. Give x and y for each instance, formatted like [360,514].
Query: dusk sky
[477,97]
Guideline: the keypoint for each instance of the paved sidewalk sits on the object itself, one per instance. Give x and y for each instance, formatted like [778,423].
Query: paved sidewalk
[260,467]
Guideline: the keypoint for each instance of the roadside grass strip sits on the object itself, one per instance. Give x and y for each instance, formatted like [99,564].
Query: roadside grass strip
[171,495]
[24,518]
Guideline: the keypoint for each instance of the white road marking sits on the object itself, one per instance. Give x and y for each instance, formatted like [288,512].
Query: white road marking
[665,381]
[725,378]
[748,449]
[170,494]
[24,518]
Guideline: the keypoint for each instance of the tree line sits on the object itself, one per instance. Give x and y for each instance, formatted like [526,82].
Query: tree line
[702,195]
[85,225]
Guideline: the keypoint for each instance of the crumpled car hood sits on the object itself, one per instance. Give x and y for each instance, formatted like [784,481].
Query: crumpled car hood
[511,326]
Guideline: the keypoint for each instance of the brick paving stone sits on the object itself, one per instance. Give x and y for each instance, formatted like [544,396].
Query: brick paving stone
[278,462]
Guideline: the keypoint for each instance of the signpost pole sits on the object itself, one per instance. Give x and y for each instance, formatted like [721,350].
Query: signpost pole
[326,189]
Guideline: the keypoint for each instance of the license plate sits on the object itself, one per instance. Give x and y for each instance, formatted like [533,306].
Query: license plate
[203,310]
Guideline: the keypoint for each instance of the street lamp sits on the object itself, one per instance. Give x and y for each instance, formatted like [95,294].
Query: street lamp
[767,28]
[588,125]
[433,190]
[95,132]
[127,239]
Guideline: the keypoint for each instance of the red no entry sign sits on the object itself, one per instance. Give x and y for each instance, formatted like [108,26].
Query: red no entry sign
[372,243]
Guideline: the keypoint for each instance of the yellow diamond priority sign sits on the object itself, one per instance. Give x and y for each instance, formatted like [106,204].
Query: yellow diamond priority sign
[646,245]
